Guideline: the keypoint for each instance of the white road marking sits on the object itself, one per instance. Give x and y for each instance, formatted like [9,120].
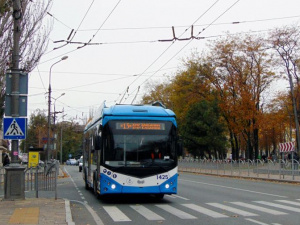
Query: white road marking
[262,209]
[289,202]
[176,212]
[279,206]
[68,213]
[116,214]
[177,196]
[170,196]
[205,211]
[148,214]
[257,222]
[231,209]
[96,218]
[238,189]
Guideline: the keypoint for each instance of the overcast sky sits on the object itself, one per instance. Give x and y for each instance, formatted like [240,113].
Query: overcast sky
[124,50]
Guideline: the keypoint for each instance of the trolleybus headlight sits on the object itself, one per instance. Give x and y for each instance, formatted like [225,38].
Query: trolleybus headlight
[167,186]
[113,186]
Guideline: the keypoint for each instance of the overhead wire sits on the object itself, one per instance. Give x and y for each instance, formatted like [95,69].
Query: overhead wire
[171,44]
[76,32]
[100,74]
[195,25]
[188,43]
[72,31]
[111,12]
[167,49]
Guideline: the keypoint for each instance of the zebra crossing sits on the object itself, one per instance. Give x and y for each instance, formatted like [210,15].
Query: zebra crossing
[212,209]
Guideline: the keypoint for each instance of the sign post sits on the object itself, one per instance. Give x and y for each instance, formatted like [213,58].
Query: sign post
[288,147]
[15,101]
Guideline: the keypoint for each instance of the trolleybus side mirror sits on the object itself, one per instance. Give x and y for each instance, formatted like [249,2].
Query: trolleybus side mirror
[98,142]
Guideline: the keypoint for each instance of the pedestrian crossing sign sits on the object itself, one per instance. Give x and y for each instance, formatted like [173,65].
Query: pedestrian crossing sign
[14,128]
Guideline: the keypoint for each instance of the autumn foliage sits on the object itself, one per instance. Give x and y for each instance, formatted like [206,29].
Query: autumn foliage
[239,73]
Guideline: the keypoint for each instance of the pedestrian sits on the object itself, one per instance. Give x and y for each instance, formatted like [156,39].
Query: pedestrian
[6,160]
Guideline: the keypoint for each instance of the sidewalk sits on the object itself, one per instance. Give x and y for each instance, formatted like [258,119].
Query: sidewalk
[34,211]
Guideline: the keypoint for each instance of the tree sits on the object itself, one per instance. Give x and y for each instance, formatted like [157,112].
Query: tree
[190,86]
[157,92]
[34,37]
[276,123]
[36,131]
[204,131]
[242,72]
[72,137]
[286,42]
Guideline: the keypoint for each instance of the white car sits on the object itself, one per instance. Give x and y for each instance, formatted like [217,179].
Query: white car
[71,162]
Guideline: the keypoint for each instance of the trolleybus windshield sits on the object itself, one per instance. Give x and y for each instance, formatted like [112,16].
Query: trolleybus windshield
[139,144]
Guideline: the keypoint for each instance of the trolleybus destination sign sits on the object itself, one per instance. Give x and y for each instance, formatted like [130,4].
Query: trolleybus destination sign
[140,126]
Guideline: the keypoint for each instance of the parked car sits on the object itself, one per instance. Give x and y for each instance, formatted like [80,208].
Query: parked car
[80,164]
[71,162]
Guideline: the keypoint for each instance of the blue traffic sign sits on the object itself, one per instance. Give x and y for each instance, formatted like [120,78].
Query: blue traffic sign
[14,128]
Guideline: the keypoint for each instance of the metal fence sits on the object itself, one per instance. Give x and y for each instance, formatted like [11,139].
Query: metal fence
[37,178]
[270,169]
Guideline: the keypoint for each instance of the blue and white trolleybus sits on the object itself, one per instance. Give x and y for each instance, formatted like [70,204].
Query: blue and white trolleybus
[131,149]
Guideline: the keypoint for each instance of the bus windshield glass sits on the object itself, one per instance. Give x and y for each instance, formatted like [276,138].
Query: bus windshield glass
[139,144]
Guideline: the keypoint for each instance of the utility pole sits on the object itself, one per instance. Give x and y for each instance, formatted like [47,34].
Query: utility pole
[17,15]
[61,138]
[15,179]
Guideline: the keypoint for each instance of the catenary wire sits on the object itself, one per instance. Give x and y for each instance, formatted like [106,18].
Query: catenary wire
[165,51]
[188,43]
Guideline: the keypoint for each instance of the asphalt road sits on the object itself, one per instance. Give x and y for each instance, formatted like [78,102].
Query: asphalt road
[201,200]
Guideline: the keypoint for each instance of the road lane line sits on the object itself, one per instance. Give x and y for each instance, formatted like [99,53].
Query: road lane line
[176,212]
[231,209]
[279,206]
[116,214]
[255,221]
[238,189]
[288,202]
[262,209]
[205,211]
[148,214]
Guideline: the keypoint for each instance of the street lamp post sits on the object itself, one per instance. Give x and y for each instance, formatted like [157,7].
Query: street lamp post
[49,109]
[54,119]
